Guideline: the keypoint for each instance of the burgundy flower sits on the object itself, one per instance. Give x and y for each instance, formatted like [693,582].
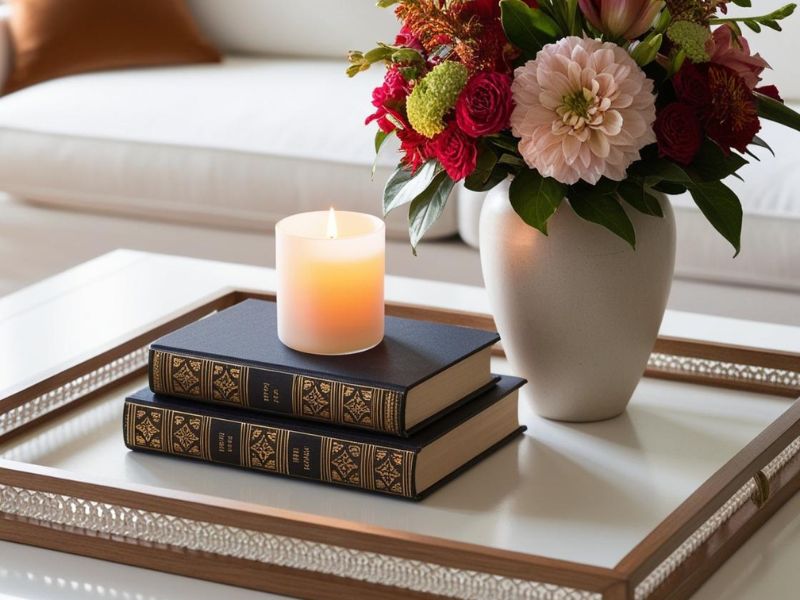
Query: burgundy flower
[733,120]
[489,9]
[691,86]
[770,91]
[679,132]
[456,152]
[484,106]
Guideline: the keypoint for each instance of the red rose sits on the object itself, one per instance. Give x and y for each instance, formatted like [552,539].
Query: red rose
[733,119]
[679,132]
[485,104]
[456,152]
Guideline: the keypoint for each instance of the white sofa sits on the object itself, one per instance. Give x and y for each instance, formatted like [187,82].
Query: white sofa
[277,128]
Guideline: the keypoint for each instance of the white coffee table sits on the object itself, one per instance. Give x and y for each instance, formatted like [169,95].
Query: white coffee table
[86,308]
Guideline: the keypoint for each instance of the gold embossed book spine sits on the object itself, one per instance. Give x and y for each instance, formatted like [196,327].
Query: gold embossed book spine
[274,450]
[278,392]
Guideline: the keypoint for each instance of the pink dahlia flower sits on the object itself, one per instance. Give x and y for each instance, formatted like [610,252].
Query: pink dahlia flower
[584,109]
[624,19]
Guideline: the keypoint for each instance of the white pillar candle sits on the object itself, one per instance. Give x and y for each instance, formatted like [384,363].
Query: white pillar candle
[330,281]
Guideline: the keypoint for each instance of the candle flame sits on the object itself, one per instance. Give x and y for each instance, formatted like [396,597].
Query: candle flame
[332,229]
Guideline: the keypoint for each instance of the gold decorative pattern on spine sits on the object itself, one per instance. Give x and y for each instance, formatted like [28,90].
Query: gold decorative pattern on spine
[263,448]
[147,428]
[355,405]
[367,466]
[186,434]
[200,378]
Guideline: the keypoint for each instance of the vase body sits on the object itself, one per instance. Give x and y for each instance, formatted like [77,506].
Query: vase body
[578,310]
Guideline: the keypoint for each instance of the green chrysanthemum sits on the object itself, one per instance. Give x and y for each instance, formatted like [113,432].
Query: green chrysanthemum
[691,38]
[434,95]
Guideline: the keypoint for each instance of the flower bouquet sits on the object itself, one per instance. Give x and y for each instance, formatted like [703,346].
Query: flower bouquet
[602,102]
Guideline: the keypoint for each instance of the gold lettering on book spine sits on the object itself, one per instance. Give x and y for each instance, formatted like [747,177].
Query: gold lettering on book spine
[343,403]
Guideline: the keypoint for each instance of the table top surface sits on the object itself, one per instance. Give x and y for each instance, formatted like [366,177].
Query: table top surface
[89,308]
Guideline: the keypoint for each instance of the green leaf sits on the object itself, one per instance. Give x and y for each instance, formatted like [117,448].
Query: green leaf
[712,164]
[721,207]
[505,142]
[499,173]
[771,109]
[483,169]
[529,29]
[672,189]
[403,186]
[427,207]
[380,137]
[637,195]
[604,210]
[757,141]
[660,169]
[535,198]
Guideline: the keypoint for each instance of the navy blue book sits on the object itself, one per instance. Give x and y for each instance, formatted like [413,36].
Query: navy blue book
[407,467]
[417,374]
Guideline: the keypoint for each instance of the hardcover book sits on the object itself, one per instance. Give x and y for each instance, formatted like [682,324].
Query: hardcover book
[407,467]
[419,372]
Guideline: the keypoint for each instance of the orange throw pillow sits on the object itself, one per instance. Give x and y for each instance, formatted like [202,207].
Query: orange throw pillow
[54,38]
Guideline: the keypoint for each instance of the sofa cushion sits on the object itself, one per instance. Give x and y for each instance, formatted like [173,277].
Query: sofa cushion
[770,195]
[242,143]
[309,28]
[53,38]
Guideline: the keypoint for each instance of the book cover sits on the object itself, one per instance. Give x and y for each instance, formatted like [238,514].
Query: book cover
[292,448]
[234,358]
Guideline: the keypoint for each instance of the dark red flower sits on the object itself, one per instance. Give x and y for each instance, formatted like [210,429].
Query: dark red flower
[770,91]
[414,146]
[388,99]
[489,9]
[691,86]
[455,151]
[679,132]
[733,120]
[484,105]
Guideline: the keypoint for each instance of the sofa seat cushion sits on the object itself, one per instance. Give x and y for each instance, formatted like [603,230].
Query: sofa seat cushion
[242,143]
[770,195]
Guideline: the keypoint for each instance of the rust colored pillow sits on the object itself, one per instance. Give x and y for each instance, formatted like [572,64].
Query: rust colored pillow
[54,38]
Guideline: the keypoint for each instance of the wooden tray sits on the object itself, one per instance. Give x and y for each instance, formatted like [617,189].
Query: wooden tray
[261,546]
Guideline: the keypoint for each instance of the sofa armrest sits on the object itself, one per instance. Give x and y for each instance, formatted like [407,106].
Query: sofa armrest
[6,49]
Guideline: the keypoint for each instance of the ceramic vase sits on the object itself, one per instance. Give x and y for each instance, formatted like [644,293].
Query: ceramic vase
[578,310]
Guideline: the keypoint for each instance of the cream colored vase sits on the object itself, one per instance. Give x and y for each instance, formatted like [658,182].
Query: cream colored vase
[578,310]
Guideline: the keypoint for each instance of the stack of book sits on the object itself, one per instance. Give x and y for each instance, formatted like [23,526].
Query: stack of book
[401,419]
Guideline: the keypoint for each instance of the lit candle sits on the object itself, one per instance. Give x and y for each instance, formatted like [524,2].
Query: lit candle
[330,269]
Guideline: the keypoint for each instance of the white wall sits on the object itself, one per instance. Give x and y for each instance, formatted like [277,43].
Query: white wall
[781,49]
